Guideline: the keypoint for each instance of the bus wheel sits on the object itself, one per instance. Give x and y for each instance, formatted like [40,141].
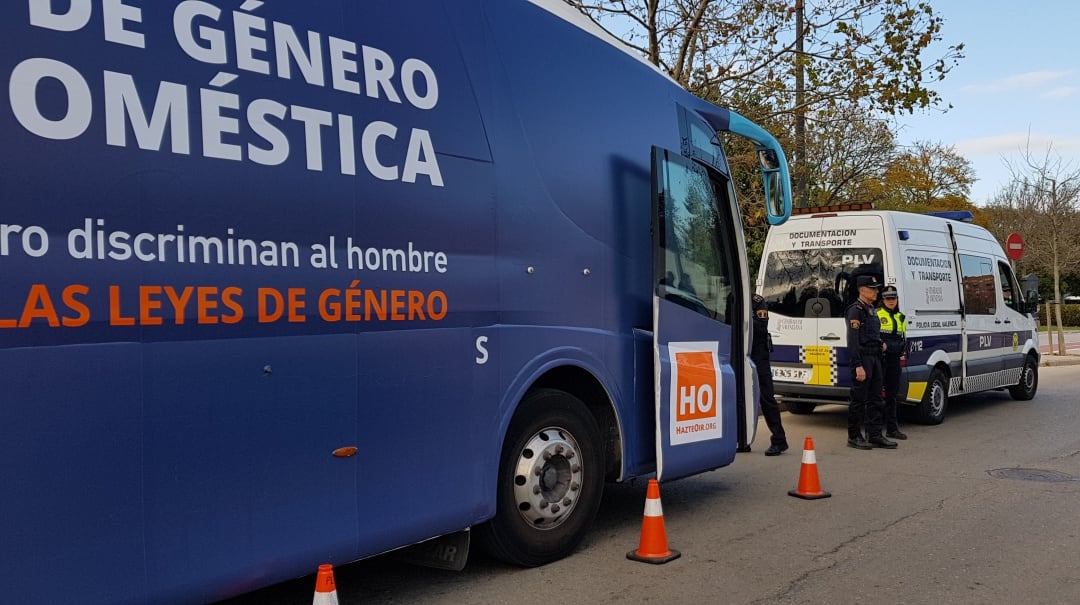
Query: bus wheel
[551,478]
[800,407]
[1029,381]
[931,410]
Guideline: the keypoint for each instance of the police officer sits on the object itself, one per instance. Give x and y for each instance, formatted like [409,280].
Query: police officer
[759,353]
[894,334]
[864,349]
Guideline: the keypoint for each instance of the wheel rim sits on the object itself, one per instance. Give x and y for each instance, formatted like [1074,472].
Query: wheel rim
[547,478]
[1029,378]
[937,399]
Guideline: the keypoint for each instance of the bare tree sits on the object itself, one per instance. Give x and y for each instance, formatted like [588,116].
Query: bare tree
[1044,197]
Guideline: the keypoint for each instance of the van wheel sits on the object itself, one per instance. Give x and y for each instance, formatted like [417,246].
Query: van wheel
[1029,381]
[931,410]
[800,407]
[551,478]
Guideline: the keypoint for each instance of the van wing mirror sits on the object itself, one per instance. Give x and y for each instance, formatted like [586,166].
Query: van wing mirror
[1031,302]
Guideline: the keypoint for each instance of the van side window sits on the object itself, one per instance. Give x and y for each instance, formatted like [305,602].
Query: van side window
[980,288]
[1010,291]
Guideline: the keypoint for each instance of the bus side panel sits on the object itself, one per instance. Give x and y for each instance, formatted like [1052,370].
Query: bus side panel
[71,437]
[238,458]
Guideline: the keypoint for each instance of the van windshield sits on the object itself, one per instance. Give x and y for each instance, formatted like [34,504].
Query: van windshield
[816,282]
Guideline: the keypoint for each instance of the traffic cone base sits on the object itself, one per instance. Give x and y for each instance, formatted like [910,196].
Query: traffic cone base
[325,589]
[653,547]
[809,486]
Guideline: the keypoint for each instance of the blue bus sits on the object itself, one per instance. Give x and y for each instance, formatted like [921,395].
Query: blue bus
[288,283]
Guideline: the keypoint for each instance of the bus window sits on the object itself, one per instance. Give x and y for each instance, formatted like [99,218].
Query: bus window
[697,273]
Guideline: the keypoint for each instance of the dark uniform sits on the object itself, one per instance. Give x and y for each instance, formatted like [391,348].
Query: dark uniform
[759,353]
[894,334]
[864,350]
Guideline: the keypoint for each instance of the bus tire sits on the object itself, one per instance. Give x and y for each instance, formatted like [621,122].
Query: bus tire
[551,479]
[799,407]
[931,410]
[1029,381]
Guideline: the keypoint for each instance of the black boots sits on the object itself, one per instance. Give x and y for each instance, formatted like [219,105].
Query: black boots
[858,443]
[879,441]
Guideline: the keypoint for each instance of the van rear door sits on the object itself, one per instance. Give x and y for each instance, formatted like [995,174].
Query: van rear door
[808,277]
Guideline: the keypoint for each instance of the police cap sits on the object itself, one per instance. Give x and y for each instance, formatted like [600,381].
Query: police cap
[889,292]
[867,281]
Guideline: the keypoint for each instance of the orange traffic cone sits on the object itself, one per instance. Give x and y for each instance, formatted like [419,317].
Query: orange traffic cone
[653,547]
[325,589]
[809,486]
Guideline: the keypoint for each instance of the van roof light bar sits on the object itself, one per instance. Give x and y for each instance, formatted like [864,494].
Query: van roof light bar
[833,208]
[964,216]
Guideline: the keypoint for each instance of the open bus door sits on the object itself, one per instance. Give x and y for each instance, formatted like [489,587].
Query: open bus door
[695,379]
[706,406]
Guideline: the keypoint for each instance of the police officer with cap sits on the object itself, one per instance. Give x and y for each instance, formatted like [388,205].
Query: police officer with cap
[864,347]
[759,353]
[894,334]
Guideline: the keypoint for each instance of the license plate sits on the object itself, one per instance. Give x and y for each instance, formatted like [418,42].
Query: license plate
[800,375]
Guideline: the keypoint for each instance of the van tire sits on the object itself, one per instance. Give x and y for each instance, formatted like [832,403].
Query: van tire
[1029,381]
[931,410]
[799,407]
[551,479]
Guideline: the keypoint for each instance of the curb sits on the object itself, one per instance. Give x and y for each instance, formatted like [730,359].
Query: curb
[1047,360]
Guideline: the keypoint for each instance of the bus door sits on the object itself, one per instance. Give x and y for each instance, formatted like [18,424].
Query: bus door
[699,357]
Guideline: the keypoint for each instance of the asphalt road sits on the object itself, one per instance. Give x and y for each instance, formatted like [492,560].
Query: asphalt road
[984,508]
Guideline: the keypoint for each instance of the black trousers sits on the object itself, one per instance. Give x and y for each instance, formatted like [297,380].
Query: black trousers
[769,408]
[866,407]
[892,385]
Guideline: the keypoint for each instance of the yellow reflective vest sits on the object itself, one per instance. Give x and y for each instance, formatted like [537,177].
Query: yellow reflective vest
[893,331]
[893,323]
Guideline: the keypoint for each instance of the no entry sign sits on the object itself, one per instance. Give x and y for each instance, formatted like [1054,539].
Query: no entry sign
[1014,246]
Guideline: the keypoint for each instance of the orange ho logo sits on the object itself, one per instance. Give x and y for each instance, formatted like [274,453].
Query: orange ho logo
[694,400]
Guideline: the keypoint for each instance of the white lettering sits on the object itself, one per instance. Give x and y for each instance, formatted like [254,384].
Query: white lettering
[313,120]
[122,106]
[214,125]
[409,69]
[481,348]
[309,59]
[420,145]
[341,67]
[186,12]
[248,42]
[378,73]
[23,89]
[368,143]
[76,17]
[258,112]
[116,14]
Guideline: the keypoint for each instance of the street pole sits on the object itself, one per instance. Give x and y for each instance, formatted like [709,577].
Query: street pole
[800,110]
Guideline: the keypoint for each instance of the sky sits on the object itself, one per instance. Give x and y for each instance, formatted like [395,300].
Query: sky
[1019,81]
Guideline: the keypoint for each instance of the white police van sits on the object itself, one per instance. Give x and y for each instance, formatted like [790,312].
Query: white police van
[969,326]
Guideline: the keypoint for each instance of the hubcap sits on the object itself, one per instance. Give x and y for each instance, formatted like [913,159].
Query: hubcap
[547,478]
[937,399]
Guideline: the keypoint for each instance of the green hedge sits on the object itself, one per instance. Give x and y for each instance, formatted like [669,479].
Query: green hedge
[1070,315]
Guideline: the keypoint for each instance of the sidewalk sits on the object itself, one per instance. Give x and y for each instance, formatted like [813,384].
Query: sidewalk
[1048,353]
[1070,359]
